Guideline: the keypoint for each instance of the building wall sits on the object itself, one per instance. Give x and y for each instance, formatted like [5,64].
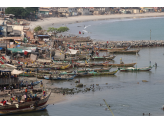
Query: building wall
[63,9]
[20,28]
[136,11]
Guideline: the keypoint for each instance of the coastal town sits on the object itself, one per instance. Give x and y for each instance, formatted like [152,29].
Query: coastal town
[35,53]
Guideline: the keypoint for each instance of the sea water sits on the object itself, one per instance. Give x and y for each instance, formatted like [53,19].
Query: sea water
[124,92]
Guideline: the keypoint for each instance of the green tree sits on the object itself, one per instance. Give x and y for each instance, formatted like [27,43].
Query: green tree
[31,9]
[38,28]
[57,30]
[17,11]
[52,30]
[62,29]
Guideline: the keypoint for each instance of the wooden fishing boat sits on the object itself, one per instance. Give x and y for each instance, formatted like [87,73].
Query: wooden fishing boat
[25,104]
[32,74]
[83,74]
[103,58]
[34,83]
[67,73]
[104,73]
[120,65]
[96,70]
[136,69]
[44,72]
[26,110]
[125,52]
[111,49]
[65,67]
[59,77]
[82,64]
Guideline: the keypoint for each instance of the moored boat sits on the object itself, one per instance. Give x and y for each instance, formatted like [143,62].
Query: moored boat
[59,77]
[136,69]
[104,73]
[125,52]
[120,65]
[103,58]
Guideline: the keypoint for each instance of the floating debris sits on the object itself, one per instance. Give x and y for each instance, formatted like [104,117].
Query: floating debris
[144,81]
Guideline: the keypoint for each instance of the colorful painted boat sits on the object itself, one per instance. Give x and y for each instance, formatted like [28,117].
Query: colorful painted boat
[65,67]
[96,70]
[20,111]
[136,69]
[60,77]
[34,83]
[103,73]
[125,52]
[120,65]
[103,58]
[27,74]
[23,105]
[111,49]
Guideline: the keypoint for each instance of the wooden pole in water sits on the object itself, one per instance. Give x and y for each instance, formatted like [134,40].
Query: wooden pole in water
[150,34]
[108,107]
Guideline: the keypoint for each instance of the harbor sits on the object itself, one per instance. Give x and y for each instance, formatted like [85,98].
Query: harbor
[44,73]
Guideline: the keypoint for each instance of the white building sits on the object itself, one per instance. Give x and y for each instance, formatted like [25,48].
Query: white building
[2,9]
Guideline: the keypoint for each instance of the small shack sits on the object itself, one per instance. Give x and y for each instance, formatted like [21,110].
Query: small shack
[42,37]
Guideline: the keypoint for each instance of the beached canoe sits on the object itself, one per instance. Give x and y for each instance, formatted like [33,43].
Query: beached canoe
[24,104]
[34,83]
[120,65]
[25,110]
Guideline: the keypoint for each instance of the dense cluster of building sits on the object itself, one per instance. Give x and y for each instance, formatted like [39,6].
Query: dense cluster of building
[75,11]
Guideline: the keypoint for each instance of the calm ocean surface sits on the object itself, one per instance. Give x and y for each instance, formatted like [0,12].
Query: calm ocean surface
[125,92]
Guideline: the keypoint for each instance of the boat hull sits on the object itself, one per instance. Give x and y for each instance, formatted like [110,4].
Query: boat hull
[135,69]
[27,110]
[125,52]
[103,58]
[120,65]
[24,105]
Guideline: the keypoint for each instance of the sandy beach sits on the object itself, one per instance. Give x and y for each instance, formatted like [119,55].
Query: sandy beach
[55,21]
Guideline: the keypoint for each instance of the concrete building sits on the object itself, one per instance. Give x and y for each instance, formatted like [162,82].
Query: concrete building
[100,10]
[147,9]
[48,12]
[83,11]
[129,11]
[72,11]
[63,11]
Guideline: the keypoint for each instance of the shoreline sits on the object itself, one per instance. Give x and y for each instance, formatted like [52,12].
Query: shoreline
[55,21]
